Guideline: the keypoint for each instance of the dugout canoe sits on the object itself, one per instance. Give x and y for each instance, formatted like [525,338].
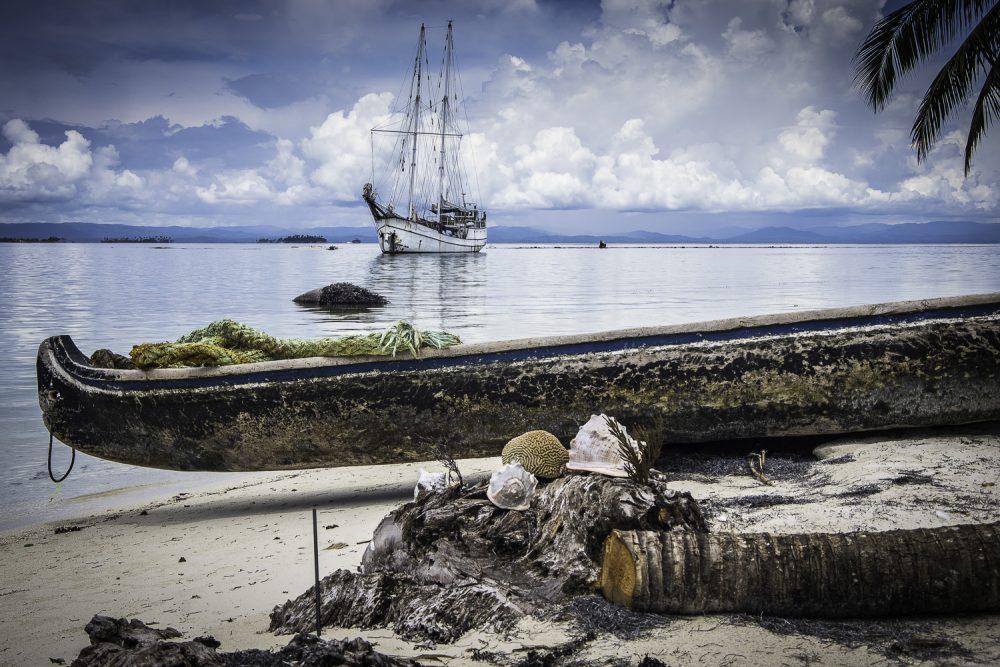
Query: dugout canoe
[843,370]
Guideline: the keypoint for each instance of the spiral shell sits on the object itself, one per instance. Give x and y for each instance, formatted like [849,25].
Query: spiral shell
[539,452]
[594,449]
[511,487]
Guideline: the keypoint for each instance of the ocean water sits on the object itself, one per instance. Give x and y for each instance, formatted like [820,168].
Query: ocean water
[118,295]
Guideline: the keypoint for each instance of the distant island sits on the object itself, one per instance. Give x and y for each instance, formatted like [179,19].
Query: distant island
[295,238]
[138,239]
[48,239]
[938,233]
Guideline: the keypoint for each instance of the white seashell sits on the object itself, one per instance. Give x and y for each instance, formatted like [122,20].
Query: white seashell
[594,449]
[428,483]
[511,487]
[386,539]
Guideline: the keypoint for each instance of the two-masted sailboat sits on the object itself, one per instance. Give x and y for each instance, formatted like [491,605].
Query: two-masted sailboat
[426,172]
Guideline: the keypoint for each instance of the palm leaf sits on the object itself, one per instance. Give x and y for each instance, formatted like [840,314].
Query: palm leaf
[906,37]
[986,111]
[954,83]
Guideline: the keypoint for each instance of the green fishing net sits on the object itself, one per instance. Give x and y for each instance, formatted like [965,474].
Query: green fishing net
[228,342]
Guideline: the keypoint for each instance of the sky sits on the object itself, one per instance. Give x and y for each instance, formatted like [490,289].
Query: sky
[669,115]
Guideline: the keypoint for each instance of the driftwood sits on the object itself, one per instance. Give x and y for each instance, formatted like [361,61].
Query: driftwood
[928,570]
[453,561]
[132,643]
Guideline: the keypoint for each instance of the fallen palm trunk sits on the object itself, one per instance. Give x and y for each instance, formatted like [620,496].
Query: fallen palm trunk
[826,372]
[927,570]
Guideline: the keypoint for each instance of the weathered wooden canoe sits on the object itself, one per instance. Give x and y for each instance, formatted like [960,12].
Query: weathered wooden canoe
[933,362]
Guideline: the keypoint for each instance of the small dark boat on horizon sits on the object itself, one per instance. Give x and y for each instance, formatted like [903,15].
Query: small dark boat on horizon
[824,372]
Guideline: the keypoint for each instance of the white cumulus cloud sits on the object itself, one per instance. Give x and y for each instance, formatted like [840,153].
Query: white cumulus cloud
[32,171]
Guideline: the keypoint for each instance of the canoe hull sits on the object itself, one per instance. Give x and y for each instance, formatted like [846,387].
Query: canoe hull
[772,376]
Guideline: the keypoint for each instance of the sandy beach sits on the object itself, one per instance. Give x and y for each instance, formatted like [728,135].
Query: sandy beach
[217,560]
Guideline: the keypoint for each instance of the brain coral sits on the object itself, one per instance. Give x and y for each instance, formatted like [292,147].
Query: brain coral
[539,452]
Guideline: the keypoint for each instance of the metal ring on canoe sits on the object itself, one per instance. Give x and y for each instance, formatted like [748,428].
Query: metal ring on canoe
[68,470]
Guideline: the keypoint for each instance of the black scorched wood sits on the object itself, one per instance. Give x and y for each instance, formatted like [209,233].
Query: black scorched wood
[821,372]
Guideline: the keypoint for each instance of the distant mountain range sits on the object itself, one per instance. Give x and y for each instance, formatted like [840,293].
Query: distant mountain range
[927,232]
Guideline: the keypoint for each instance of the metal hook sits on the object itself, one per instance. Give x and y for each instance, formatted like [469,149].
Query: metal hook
[68,470]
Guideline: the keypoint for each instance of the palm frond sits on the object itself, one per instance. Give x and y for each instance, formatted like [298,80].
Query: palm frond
[955,82]
[986,112]
[907,36]
[404,336]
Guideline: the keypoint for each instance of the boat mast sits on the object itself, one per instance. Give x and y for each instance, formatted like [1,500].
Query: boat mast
[444,120]
[417,73]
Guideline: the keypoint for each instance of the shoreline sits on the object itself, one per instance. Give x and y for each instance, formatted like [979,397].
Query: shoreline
[248,547]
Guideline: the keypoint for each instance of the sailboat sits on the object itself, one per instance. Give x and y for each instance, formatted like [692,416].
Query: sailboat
[426,175]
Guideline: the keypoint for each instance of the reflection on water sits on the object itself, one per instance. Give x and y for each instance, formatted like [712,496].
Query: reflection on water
[117,295]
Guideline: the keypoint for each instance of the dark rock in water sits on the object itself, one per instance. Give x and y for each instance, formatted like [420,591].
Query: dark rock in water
[134,644]
[341,294]
[453,561]
[107,359]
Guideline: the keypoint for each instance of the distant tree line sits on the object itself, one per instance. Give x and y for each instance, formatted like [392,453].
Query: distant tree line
[295,238]
[9,239]
[138,239]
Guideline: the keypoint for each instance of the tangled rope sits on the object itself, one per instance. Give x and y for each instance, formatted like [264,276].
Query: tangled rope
[227,342]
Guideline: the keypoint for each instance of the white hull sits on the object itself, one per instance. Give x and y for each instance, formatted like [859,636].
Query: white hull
[413,237]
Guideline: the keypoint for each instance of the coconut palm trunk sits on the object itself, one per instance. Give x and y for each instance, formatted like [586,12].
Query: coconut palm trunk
[930,570]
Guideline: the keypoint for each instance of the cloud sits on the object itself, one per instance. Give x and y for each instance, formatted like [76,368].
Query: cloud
[272,90]
[341,147]
[32,170]
[331,163]
[812,133]
[648,105]
[746,44]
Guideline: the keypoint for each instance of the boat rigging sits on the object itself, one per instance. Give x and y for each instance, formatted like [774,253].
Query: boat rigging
[426,178]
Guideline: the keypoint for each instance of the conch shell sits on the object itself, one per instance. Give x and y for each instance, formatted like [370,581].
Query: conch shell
[595,449]
[511,487]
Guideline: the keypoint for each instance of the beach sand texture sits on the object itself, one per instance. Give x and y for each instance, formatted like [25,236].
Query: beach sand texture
[247,547]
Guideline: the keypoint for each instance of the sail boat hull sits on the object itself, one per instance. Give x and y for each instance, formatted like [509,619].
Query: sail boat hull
[399,236]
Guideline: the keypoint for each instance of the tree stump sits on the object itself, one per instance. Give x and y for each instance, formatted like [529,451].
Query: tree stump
[453,561]
[929,570]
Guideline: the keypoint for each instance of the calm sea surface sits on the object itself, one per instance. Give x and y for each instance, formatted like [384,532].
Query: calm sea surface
[118,295]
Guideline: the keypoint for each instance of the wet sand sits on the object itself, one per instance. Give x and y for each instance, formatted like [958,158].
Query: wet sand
[248,546]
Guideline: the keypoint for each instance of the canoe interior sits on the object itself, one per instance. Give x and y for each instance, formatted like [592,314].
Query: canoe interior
[77,363]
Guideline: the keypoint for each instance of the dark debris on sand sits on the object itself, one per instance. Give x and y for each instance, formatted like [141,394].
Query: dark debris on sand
[595,615]
[902,639]
[765,500]
[714,461]
[132,643]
